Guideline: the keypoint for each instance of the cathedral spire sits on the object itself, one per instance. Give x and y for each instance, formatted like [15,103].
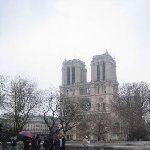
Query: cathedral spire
[107,52]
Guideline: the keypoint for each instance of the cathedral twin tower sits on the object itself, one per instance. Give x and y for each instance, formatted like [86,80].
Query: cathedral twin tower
[103,68]
[103,82]
[94,96]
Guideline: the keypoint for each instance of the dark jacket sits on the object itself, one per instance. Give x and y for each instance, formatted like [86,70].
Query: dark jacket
[60,144]
[37,143]
[48,143]
[63,143]
[26,143]
[13,142]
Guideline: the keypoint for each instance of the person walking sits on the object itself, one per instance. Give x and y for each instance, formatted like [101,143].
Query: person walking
[26,143]
[33,143]
[13,143]
[57,143]
[46,144]
[86,143]
[51,142]
[37,143]
[62,142]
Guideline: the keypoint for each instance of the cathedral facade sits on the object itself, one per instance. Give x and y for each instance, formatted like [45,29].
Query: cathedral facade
[96,95]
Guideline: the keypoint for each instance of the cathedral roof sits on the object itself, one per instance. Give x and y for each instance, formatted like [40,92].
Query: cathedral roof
[106,55]
[73,62]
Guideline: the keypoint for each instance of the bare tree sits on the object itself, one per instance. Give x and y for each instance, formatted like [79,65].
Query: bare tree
[50,111]
[60,113]
[22,99]
[84,128]
[96,124]
[3,87]
[131,105]
[69,113]
[101,125]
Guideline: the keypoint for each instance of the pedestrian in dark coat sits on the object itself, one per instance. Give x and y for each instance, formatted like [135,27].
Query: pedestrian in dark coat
[57,144]
[13,143]
[37,143]
[46,144]
[26,143]
[33,143]
[51,141]
[62,142]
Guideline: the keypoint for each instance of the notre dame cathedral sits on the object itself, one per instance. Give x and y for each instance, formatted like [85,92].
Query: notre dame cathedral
[95,95]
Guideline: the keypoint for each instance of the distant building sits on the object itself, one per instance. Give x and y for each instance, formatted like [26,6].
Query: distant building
[36,125]
[96,95]
[5,121]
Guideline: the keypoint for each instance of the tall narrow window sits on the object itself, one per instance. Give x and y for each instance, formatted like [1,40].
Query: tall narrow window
[73,75]
[68,76]
[98,107]
[103,107]
[81,91]
[103,71]
[97,90]
[98,72]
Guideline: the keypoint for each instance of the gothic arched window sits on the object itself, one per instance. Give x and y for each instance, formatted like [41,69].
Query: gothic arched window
[68,76]
[98,107]
[73,75]
[98,72]
[103,107]
[97,90]
[103,70]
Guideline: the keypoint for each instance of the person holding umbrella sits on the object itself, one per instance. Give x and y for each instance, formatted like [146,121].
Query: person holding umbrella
[26,143]
[26,139]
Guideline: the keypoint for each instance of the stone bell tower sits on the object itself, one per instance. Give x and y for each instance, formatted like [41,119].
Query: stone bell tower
[73,71]
[103,68]
[73,75]
[103,81]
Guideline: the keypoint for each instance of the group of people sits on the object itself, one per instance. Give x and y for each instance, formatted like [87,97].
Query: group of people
[57,144]
[49,143]
[32,143]
[35,143]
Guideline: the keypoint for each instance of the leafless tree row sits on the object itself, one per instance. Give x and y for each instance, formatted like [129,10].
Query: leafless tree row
[20,98]
[131,104]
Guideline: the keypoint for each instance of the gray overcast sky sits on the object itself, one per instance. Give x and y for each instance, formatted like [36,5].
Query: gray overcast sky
[37,35]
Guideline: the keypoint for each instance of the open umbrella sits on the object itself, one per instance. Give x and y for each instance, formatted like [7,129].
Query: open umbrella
[26,134]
